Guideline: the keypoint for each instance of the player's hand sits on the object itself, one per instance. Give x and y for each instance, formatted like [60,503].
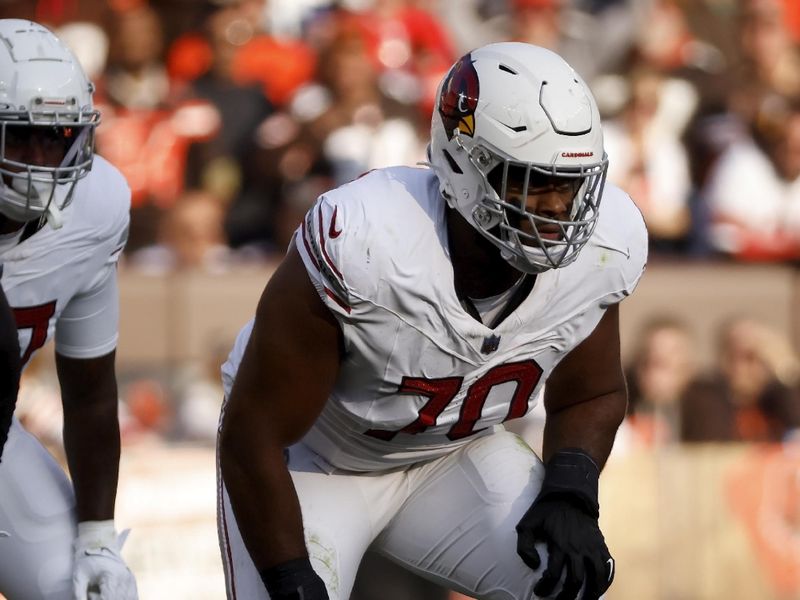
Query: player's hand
[565,517]
[99,573]
[575,544]
[294,580]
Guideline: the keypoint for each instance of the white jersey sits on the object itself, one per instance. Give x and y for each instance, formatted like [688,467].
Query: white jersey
[420,375]
[62,282]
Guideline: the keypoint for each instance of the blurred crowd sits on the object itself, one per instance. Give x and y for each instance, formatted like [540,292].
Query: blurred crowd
[229,117]
[750,394]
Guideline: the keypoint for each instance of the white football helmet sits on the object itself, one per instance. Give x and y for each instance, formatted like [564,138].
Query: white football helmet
[45,107]
[515,107]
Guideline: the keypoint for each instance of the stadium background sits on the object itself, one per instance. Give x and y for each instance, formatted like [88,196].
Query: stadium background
[229,117]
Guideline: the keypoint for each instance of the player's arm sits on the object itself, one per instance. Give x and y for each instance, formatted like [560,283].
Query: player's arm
[91,432]
[585,400]
[86,335]
[586,395]
[9,368]
[285,376]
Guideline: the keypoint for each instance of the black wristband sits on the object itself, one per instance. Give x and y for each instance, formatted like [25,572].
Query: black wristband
[293,580]
[572,474]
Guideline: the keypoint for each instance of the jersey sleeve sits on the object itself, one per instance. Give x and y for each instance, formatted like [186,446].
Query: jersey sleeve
[231,365]
[88,326]
[117,196]
[102,211]
[637,246]
[334,243]
[620,246]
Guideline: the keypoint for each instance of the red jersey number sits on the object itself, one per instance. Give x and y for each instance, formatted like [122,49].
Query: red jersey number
[440,392]
[37,319]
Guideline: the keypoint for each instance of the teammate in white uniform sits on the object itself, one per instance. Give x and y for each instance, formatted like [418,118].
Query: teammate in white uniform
[64,217]
[418,310]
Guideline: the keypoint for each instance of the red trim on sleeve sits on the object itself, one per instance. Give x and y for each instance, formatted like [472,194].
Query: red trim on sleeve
[338,301]
[225,542]
[308,247]
[322,245]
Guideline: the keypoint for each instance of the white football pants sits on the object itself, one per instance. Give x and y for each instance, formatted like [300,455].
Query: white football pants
[451,520]
[37,522]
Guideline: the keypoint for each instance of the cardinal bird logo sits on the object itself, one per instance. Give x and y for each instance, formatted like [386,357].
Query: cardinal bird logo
[459,98]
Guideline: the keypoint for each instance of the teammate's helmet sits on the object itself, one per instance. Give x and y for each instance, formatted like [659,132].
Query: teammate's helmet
[45,100]
[517,108]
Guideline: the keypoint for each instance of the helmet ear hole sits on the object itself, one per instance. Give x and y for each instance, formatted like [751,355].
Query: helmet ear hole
[452,162]
[495,179]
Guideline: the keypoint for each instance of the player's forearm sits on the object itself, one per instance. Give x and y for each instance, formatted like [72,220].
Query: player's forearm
[91,432]
[92,445]
[590,425]
[263,499]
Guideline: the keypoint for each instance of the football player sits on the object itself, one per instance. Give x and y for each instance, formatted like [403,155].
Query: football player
[63,222]
[419,309]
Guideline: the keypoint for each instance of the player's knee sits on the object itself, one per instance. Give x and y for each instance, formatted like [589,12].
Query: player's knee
[35,489]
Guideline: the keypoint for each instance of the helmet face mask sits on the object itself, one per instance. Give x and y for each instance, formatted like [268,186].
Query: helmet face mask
[493,145]
[47,123]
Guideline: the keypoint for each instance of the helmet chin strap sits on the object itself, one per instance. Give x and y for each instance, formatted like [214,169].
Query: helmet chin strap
[54,195]
[54,217]
[49,193]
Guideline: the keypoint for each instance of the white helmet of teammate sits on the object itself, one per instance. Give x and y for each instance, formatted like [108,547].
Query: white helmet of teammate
[517,108]
[45,108]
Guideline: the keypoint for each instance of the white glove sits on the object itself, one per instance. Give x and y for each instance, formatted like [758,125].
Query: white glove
[99,573]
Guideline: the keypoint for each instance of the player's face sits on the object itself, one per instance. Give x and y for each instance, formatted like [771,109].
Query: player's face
[547,196]
[37,146]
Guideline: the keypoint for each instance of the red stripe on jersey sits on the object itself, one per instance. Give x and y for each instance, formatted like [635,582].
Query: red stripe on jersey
[308,247]
[232,577]
[227,565]
[322,245]
[339,301]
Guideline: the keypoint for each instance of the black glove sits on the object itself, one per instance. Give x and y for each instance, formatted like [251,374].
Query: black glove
[564,516]
[294,580]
